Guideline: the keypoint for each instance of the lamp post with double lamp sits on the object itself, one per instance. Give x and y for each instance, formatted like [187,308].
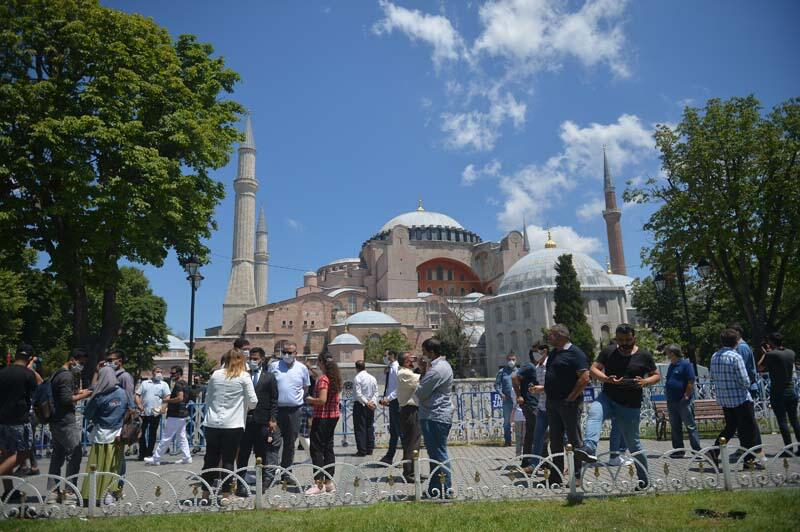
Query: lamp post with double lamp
[703,269]
[192,267]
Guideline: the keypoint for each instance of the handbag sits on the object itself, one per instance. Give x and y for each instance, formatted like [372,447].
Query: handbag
[131,427]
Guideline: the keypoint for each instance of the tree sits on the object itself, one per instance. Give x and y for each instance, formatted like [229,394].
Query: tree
[202,365]
[393,339]
[12,300]
[452,333]
[731,195]
[108,130]
[569,306]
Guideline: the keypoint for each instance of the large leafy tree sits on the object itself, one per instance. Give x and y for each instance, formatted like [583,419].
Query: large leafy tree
[570,304]
[452,333]
[731,195]
[375,347]
[108,130]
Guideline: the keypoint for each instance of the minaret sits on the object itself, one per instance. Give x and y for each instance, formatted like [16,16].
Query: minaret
[241,284]
[612,216]
[526,246]
[261,259]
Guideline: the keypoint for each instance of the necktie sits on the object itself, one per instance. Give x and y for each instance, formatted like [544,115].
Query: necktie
[255,378]
[386,386]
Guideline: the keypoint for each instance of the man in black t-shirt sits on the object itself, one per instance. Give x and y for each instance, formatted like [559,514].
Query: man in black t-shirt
[624,369]
[17,384]
[779,362]
[523,380]
[566,377]
[177,415]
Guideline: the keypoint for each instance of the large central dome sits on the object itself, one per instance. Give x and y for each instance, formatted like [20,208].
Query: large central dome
[538,269]
[421,218]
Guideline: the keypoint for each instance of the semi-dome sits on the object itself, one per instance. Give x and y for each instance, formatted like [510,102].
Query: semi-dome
[345,339]
[421,218]
[370,317]
[538,269]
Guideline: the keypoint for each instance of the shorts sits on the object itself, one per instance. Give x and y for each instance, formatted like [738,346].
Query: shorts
[16,438]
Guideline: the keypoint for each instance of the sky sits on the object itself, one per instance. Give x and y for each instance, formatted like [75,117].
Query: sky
[490,112]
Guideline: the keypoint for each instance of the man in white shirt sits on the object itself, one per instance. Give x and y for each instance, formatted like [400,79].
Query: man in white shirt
[148,399]
[293,382]
[390,400]
[366,391]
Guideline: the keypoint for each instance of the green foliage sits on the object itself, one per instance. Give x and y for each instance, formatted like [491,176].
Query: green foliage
[455,344]
[393,339]
[12,300]
[730,196]
[108,130]
[569,306]
[202,365]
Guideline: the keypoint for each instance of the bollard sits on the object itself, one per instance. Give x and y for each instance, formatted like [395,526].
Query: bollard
[417,476]
[570,460]
[259,482]
[726,466]
[92,490]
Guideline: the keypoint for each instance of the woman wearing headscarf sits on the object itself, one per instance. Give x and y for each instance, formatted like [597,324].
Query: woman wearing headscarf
[323,424]
[230,394]
[105,414]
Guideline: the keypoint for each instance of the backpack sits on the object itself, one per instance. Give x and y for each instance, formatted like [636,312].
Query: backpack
[43,404]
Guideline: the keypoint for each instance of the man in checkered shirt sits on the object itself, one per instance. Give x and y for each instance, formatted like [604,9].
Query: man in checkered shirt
[732,388]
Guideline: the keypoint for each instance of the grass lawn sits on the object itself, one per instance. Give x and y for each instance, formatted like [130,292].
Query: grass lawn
[770,510]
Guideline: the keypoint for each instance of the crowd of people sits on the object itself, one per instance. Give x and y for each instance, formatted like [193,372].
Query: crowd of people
[260,406]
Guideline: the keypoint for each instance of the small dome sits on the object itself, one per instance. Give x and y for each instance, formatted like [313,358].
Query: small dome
[538,269]
[420,218]
[345,339]
[176,344]
[370,317]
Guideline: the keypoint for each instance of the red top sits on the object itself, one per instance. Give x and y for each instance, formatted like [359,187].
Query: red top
[330,409]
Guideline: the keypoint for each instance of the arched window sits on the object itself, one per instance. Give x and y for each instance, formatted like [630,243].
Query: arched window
[526,309]
[452,290]
[501,343]
[351,304]
[449,275]
[605,334]
[439,273]
[529,337]
[463,292]
[514,342]
[512,312]
[440,291]
[602,304]
[498,315]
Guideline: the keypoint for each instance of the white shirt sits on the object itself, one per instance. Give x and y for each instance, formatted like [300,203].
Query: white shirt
[366,388]
[152,393]
[228,400]
[102,436]
[390,393]
[292,381]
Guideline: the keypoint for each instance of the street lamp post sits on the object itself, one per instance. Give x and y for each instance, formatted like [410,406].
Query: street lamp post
[192,267]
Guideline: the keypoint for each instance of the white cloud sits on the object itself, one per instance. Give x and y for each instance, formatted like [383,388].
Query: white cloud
[591,210]
[471,174]
[435,30]
[294,224]
[540,33]
[531,191]
[565,237]
[479,131]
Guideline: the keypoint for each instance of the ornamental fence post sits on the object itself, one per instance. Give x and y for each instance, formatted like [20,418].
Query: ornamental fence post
[259,483]
[726,466]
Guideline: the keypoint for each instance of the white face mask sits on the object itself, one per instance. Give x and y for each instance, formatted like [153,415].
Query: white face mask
[254,365]
[538,355]
[158,377]
[511,363]
[246,352]
[288,359]
[76,369]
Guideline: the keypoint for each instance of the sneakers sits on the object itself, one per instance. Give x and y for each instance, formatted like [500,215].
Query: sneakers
[626,461]
[109,499]
[585,454]
[151,461]
[313,490]
[182,460]
[615,461]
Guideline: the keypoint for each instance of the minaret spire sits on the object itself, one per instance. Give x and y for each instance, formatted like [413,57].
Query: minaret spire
[526,245]
[241,284]
[612,216]
[261,259]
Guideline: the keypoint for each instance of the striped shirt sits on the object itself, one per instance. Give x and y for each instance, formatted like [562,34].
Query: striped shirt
[730,378]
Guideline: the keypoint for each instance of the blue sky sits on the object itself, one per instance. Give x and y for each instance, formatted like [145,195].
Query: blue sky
[488,111]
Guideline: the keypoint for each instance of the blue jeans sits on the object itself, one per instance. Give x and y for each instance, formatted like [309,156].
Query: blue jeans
[616,446]
[627,420]
[435,435]
[508,407]
[682,413]
[539,434]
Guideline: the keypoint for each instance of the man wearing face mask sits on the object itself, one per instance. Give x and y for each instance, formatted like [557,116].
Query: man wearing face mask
[64,428]
[624,369]
[293,382]
[390,400]
[503,386]
[177,416]
[524,380]
[149,395]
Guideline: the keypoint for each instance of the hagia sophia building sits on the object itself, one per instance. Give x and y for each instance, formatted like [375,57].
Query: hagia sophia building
[414,271]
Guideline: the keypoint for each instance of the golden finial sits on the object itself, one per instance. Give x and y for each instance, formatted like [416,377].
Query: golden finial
[420,208]
[608,266]
[550,244]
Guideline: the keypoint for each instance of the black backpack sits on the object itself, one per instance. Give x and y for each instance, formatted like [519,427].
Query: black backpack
[43,404]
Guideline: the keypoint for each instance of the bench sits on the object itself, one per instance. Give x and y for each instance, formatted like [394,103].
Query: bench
[704,410]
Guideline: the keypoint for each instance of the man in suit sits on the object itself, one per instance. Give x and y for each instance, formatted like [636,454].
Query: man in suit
[261,433]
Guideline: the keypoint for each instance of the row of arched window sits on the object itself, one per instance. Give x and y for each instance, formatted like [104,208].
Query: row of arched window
[514,342]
